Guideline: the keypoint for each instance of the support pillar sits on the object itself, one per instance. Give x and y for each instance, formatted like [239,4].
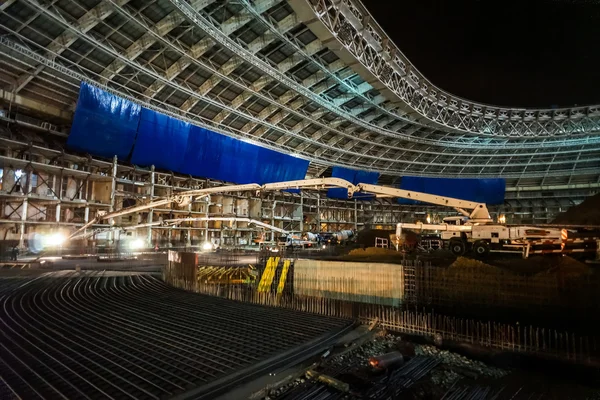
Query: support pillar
[273,220]
[59,192]
[188,242]
[208,203]
[24,211]
[301,212]
[113,189]
[318,212]
[22,226]
[355,215]
[151,211]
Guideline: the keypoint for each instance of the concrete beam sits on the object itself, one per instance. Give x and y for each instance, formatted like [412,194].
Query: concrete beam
[86,22]
[35,105]
[6,4]
[161,28]
[591,185]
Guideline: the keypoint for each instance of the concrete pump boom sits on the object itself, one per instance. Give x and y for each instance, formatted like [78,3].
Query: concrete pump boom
[478,213]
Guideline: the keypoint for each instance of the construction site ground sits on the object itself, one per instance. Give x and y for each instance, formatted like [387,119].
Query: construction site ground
[431,372]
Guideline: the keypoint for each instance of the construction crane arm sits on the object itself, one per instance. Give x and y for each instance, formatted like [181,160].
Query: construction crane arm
[315,184]
[477,211]
[180,198]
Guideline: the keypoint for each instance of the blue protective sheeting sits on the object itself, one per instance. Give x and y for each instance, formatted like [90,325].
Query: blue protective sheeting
[488,191]
[161,141]
[353,176]
[104,124]
[215,156]
[107,125]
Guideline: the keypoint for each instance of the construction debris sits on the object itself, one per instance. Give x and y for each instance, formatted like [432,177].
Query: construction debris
[473,368]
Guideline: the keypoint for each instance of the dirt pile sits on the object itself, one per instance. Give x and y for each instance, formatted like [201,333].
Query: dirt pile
[373,251]
[538,267]
[464,264]
[586,213]
[567,267]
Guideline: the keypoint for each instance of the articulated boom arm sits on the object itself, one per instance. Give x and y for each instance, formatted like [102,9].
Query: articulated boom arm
[479,211]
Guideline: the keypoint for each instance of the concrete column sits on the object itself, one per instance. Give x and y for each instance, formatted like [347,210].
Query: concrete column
[24,209]
[208,202]
[59,193]
[151,212]
[355,215]
[301,212]
[22,227]
[113,186]
[86,219]
[273,220]
[113,189]
[318,212]
[189,231]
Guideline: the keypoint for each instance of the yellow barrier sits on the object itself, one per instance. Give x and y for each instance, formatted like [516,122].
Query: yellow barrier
[224,275]
[283,277]
[267,277]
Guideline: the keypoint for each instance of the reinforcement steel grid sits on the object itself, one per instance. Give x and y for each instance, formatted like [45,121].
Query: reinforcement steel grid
[124,335]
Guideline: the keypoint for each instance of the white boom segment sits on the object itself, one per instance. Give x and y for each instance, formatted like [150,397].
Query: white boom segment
[478,213]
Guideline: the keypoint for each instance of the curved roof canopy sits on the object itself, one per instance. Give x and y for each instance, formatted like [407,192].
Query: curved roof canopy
[315,78]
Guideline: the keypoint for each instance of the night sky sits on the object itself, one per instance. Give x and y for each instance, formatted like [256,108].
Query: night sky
[523,53]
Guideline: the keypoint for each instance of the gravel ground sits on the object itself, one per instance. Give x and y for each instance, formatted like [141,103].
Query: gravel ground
[454,373]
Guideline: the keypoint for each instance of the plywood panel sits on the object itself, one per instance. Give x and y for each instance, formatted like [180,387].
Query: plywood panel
[352,281]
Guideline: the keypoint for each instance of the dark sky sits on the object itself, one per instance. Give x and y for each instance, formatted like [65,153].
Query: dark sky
[524,53]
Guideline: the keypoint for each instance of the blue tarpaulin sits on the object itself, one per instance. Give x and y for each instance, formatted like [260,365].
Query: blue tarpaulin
[161,141]
[212,155]
[488,191]
[353,176]
[104,124]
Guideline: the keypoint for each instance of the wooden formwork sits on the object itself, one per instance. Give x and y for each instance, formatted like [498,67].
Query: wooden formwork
[180,270]
[352,281]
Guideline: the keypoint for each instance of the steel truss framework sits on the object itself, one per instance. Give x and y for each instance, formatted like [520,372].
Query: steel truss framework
[360,34]
[255,70]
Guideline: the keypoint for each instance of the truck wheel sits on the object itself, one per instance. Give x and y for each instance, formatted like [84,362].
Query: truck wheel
[457,247]
[481,248]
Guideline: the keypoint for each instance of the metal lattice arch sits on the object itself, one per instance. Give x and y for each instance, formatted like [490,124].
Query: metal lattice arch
[315,78]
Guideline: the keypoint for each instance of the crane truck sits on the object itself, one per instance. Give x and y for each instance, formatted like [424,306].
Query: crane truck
[473,230]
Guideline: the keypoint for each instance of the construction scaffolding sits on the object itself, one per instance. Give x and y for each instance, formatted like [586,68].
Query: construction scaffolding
[44,189]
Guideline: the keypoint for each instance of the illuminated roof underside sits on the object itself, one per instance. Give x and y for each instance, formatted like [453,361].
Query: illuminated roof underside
[309,77]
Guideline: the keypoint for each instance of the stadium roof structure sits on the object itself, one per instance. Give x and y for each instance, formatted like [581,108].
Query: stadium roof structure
[318,79]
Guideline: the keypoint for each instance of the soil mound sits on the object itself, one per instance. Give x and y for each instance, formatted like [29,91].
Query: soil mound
[373,251]
[466,264]
[586,213]
[537,266]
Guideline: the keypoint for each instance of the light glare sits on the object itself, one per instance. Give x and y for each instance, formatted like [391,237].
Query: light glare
[54,240]
[137,244]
